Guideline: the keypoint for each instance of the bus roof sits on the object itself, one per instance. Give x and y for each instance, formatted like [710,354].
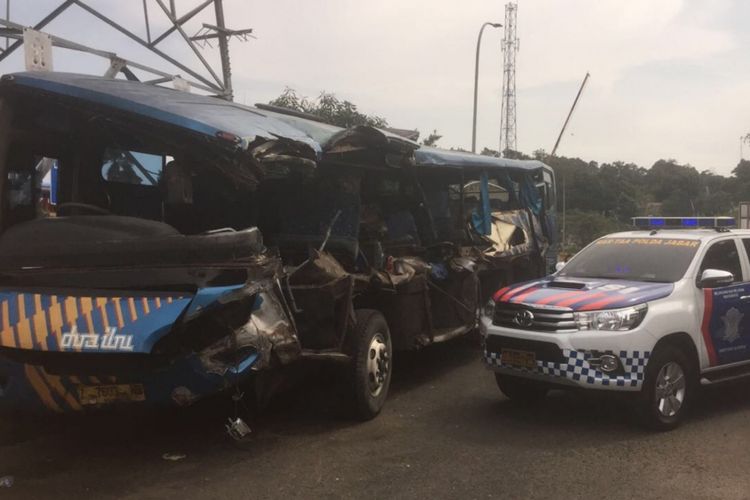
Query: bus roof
[201,114]
[214,117]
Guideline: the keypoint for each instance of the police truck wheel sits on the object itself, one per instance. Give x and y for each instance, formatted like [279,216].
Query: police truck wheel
[521,389]
[667,389]
[371,368]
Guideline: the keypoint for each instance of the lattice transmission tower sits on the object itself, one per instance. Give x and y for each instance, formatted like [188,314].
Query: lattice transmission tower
[206,79]
[508,102]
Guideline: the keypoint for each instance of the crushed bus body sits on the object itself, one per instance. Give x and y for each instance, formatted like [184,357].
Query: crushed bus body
[195,242]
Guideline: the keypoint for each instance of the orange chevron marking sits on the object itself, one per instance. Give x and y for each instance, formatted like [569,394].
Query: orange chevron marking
[41,388]
[24,334]
[118,313]
[40,329]
[6,315]
[87,307]
[54,382]
[71,310]
[101,303]
[56,321]
[6,338]
[131,305]
[39,322]
[23,327]
[6,335]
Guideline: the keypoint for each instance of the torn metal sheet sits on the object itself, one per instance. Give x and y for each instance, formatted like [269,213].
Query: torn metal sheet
[268,332]
[401,271]
[363,137]
[511,234]
[282,152]
[320,268]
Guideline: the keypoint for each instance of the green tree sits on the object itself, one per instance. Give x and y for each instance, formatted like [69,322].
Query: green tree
[515,155]
[432,139]
[715,197]
[740,185]
[540,154]
[329,108]
[579,183]
[622,187]
[742,171]
[583,227]
[676,186]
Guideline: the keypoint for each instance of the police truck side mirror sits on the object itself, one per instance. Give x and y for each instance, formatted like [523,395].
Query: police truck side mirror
[713,278]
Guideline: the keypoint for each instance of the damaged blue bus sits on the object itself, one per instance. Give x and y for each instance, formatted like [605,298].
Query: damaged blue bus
[195,243]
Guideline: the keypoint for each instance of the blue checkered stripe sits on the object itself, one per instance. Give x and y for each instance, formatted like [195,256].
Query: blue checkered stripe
[577,368]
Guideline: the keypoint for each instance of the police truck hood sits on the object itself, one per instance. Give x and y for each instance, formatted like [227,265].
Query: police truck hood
[583,294]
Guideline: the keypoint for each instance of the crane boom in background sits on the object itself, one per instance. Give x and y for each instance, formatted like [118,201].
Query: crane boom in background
[570,113]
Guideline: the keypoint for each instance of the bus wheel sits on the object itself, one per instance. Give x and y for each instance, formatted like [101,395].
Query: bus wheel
[370,372]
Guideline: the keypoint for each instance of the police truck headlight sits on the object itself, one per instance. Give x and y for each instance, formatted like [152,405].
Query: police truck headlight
[489,309]
[613,320]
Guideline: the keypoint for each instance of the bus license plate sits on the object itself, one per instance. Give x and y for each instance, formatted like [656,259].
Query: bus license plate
[105,394]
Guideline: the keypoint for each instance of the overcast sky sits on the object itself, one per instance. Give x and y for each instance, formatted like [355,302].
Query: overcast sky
[669,78]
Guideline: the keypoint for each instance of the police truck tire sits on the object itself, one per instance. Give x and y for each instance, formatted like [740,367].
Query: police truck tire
[370,375]
[668,388]
[520,389]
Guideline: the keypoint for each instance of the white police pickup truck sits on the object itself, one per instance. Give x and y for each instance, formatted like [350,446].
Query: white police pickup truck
[655,312]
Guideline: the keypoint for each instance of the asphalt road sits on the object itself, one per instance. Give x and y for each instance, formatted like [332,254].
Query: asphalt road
[446,432]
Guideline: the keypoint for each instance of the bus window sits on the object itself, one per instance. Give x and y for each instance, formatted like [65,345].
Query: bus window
[499,196]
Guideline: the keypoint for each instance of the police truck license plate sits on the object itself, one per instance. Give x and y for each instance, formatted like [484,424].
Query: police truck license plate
[103,394]
[520,359]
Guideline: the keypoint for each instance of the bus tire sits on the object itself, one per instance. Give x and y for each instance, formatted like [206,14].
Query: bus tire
[371,367]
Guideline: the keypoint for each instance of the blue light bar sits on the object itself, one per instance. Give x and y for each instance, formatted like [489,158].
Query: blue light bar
[689,222]
[683,222]
[725,222]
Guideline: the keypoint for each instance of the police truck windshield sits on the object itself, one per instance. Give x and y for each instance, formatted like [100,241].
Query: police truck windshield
[639,259]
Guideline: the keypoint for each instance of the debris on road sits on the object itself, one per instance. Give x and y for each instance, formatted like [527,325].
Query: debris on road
[174,457]
[6,481]
[238,429]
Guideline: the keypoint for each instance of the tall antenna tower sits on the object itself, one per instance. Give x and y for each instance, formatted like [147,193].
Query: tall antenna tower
[508,105]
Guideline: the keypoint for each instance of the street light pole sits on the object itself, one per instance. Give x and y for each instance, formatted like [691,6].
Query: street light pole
[476,85]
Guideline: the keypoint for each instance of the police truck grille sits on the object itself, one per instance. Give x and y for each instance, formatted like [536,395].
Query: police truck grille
[522,317]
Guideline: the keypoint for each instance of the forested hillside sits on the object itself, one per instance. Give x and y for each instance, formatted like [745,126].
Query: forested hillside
[603,198]
[599,199]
